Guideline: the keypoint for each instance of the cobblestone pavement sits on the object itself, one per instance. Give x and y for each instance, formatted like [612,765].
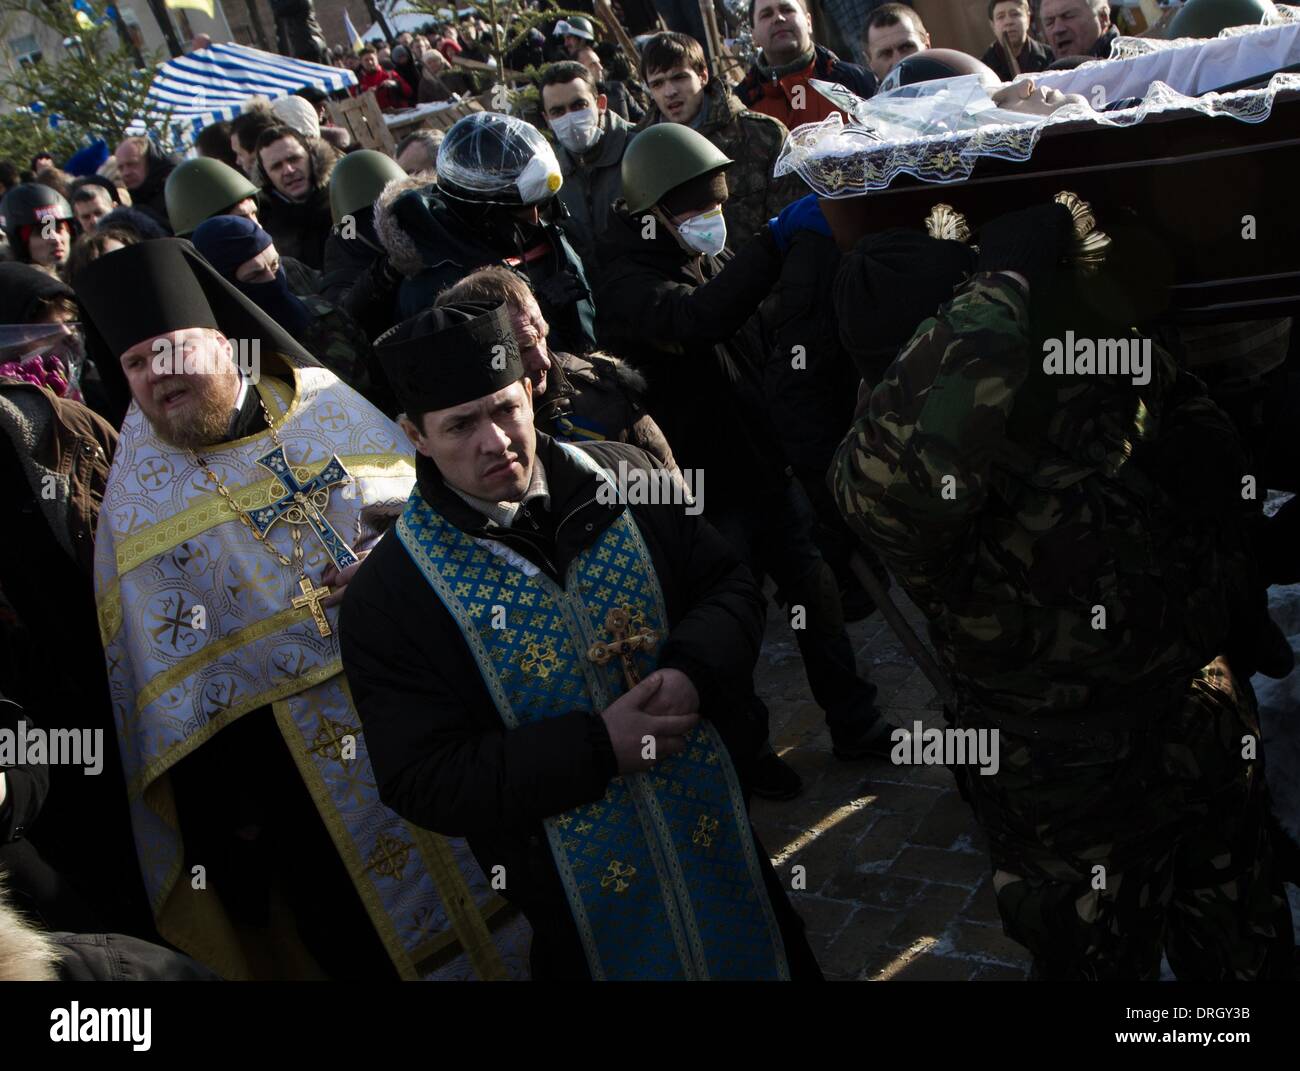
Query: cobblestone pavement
[896,873]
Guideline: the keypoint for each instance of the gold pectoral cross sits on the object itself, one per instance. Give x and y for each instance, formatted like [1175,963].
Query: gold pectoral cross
[624,643]
[311,597]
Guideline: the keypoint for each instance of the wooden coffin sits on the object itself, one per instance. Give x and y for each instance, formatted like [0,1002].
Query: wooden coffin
[1198,182]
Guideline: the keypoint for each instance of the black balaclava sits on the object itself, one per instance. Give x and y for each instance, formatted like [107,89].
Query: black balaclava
[229,241]
[887,285]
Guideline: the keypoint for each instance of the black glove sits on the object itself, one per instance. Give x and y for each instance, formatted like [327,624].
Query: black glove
[1030,242]
[561,290]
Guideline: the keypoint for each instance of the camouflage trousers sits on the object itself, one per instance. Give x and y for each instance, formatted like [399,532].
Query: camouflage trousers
[1105,854]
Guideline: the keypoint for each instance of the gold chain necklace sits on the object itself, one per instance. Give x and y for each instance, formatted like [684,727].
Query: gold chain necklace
[311,595]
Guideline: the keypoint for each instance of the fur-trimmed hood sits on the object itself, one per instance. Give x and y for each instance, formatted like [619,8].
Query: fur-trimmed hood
[627,377]
[322,155]
[571,374]
[402,252]
[26,954]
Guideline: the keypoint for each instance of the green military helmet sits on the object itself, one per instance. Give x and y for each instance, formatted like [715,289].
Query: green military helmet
[358,180]
[664,157]
[1205,18]
[576,27]
[200,189]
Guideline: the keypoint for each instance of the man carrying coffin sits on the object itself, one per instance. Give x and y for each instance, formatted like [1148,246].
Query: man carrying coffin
[247,484]
[557,675]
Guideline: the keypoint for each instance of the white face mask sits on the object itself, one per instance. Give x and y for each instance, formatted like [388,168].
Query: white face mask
[705,233]
[577,131]
[540,177]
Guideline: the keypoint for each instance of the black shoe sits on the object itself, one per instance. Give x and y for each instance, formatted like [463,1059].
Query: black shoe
[876,741]
[856,604]
[774,779]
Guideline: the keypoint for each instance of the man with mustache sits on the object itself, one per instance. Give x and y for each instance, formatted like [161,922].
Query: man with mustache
[38,223]
[248,483]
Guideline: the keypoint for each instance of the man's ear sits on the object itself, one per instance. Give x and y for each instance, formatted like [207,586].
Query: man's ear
[601,102]
[1104,16]
[528,390]
[410,430]
[704,77]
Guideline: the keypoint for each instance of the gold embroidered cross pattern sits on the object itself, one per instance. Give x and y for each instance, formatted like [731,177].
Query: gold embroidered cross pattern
[705,830]
[389,857]
[540,659]
[618,876]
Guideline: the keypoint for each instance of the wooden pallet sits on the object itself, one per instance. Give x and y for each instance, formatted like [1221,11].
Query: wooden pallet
[362,117]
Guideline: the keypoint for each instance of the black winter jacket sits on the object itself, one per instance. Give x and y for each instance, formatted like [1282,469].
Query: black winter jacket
[433,243]
[298,228]
[150,196]
[809,380]
[25,785]
[599,397]
[687,323]
[297,31]
[358,277]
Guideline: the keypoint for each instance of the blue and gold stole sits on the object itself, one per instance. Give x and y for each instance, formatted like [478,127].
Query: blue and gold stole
[661,874]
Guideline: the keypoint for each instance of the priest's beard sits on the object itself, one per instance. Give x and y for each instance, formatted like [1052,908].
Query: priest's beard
[202,415]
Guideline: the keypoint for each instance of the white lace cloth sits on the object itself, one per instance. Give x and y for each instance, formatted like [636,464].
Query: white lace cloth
[937,131]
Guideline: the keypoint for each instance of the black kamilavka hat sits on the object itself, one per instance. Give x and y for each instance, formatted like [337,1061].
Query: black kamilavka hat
[450,355]
[163,285]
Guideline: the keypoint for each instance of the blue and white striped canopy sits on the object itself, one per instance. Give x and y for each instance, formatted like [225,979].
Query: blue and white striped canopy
[211,84]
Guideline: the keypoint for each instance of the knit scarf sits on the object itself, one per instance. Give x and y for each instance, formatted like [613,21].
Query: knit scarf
[781,70]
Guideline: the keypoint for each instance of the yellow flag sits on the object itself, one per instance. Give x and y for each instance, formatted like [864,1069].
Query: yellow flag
[198,5]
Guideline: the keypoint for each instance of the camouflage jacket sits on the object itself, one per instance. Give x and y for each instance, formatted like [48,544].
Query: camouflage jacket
[335,340]
[1074,541]
[754,142]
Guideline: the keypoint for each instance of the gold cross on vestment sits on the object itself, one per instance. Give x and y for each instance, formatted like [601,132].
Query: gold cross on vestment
[311,597]
[617,876]
[618,623]
[705,830]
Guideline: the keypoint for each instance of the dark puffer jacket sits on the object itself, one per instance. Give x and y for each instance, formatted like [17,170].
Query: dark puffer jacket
[358,277]
[599,397]
[687,322]
[434,247]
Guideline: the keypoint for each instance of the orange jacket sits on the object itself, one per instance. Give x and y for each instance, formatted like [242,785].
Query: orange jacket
[792,100]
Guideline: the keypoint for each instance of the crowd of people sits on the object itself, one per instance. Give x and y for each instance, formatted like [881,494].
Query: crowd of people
[320,461]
